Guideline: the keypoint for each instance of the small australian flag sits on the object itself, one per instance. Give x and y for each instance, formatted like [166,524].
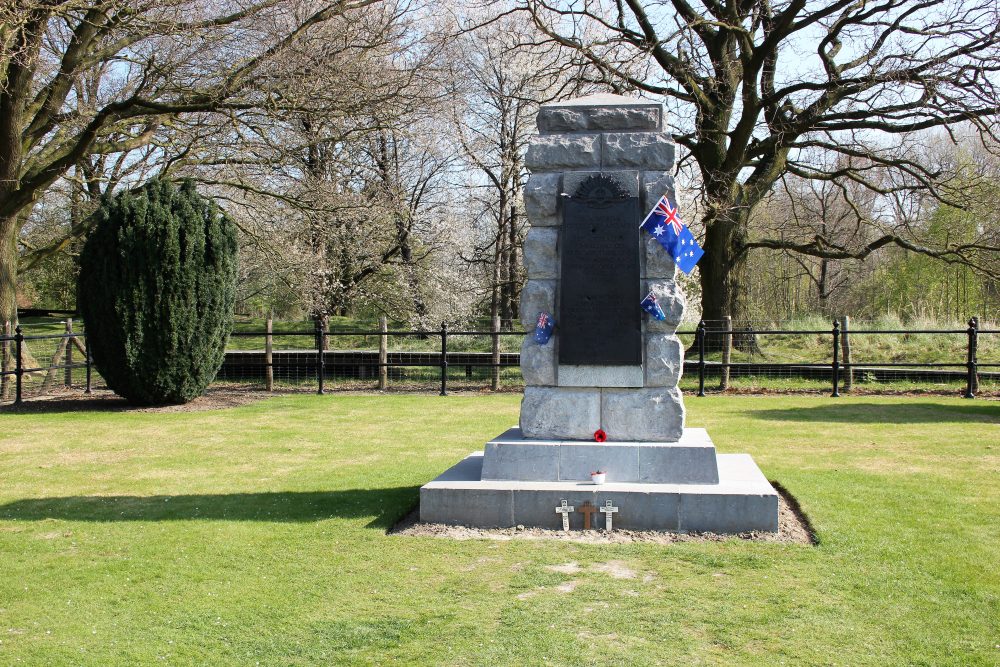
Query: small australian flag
[664,223]
[543,328]
[651,306]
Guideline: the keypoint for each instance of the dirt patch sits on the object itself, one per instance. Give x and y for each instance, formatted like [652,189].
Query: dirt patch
[568,568]
[793,528]
[616,569]
[104,400]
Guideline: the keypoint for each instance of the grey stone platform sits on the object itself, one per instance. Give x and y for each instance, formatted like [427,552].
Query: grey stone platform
[691,460]
[743,500]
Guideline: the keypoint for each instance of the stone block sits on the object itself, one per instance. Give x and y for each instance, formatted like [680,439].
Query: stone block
[522,461]
[628,179]
[656,262]
[564,152]
[728,512]
[624,115]
[536,296]
[692,460]
[555,412]
[600,376]
[652,151]
[537,508]
[541,199]
[538,362]
[458,497]
[671,299]
[664,360]
[619,460]
[655,184]
[541,253]
[653,414]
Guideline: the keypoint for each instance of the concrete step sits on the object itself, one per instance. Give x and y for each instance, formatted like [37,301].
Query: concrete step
[743,500]
[691,460]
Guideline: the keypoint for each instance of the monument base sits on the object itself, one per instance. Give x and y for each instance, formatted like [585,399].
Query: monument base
[742,500]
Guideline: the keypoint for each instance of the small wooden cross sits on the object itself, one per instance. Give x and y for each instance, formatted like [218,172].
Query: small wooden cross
[608,513]
[587,509]
[565,509]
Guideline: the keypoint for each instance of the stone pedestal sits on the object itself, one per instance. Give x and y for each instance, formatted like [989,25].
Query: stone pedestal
[598,165]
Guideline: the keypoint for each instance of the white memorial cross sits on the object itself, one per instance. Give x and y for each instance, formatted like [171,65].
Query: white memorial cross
[565,509]
[608,514]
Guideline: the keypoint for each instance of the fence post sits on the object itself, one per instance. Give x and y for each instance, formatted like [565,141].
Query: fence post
[321,356]
[835,368]
[444,359]
[90,363]
[727,352]
[701,358]
[973,333]
[68,375]
[18,365]
[495,376]
[269,354]
[383,354]
[5,362]
[845,348]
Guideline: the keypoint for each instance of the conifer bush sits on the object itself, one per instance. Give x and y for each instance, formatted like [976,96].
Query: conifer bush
[156,291]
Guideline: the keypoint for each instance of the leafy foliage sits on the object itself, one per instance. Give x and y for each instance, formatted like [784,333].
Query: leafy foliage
[156,291]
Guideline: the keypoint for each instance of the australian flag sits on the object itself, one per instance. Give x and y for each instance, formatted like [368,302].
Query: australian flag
[664,223]
[543,328]
[651,306]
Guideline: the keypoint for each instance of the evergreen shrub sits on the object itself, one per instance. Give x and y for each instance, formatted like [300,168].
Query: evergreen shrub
[156,291]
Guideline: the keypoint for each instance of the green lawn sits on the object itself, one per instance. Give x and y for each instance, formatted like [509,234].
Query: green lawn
[257,535]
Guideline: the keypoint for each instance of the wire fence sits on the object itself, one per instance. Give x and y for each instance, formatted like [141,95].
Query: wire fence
[318,358]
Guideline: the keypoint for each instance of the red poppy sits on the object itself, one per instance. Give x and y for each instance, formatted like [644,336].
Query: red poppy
[600,435]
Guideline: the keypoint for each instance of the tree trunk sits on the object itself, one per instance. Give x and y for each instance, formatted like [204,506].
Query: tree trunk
[724,282]
[8,270]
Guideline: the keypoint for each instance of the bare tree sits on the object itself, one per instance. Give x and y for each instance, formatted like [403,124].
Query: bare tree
[501,77]
[757,87]
[155,64]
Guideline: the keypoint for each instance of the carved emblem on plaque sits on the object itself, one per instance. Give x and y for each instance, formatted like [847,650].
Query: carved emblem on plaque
[601,191]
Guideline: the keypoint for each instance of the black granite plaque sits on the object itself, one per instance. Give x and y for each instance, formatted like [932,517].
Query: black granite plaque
[599,314]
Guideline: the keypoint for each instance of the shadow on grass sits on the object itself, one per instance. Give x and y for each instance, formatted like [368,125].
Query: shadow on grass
[386,506]
[886,413]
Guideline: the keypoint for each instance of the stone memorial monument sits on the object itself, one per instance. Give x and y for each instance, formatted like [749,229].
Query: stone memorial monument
[598,165]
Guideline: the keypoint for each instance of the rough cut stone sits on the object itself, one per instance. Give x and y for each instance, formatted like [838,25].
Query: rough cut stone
[655,414]
[541,200]
[655,184]
[538,362]
[656,262]
[671,299]
[596,119]
[643,150]
[558,152]
[541,256]
[537,296]
[553,412]
[628,179]
[664,360]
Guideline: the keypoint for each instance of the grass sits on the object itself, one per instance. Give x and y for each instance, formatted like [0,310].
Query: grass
[257,535]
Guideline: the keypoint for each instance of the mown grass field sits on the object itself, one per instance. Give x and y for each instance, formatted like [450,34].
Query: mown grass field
[257,535]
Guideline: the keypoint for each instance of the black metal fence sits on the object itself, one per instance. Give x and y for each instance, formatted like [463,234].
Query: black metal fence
[378,358]
[842,369]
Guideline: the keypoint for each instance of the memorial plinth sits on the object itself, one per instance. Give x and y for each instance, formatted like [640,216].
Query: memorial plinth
[597,166]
